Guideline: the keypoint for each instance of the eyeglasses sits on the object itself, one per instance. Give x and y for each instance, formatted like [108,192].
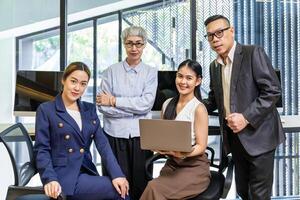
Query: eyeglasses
[218,34]
[131,44]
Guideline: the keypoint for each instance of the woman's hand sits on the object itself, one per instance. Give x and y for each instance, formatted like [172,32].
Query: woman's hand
[176,154]
[121,185]
[52,189]
[162,152]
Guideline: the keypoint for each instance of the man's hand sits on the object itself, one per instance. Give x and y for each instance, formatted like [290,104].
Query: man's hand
[121,185]
[236,121]
[52,189]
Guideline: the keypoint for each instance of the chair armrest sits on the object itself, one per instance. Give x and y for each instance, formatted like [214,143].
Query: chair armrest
[149,163]
[14,191]
[228,178]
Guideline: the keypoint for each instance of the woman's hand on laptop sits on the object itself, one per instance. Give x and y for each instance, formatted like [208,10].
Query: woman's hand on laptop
[179,154]
[176,154]
[161,152]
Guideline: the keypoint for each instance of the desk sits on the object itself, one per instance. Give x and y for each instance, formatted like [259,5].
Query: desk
[290,123]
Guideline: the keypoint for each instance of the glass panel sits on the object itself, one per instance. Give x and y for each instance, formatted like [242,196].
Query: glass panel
[205,55]
[40,52]
[107,42]
[80,43]
[80,48]
[168,28]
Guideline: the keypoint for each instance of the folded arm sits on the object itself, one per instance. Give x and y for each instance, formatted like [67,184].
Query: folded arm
[122,106]
[140,104]
[105,108]
[113,112]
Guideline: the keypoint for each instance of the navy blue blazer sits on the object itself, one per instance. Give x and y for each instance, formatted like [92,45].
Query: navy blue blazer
[61,149]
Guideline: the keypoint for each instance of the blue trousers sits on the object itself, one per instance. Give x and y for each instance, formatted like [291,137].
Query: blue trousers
[88,187]
[91,187]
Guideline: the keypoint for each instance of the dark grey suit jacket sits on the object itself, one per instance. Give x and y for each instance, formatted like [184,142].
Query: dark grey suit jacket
[254,91]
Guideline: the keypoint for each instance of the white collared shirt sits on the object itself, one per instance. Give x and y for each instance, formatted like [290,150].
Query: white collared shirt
[226,77]
[134,89]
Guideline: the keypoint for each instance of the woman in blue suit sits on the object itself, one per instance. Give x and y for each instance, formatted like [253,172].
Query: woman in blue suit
[65,129]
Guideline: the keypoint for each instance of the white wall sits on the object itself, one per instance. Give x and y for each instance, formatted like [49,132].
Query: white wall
[7,80]
[20,13]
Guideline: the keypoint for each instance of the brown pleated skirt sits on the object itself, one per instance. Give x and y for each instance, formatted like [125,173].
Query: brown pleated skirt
[179,179]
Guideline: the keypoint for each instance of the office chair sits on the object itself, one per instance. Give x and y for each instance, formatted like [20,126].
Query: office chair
[219,184]
[20,149]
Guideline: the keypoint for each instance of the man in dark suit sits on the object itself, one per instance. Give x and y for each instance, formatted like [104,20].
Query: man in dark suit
[244,88]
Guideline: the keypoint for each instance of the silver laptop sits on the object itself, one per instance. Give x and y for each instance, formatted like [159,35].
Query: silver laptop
[169,135]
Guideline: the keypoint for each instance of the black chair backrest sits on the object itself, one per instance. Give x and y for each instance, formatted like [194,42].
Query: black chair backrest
[20,149]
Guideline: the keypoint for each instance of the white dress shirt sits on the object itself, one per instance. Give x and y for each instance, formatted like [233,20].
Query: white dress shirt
[226,77]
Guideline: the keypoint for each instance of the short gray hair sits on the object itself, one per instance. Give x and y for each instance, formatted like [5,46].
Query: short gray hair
[134,31]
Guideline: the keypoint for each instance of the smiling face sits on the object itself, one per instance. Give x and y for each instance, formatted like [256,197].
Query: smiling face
[223,44]
[186,81]
[74,85]
[134,46]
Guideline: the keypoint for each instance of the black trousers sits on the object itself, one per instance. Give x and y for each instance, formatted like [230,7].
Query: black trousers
[253,174]
[132,162]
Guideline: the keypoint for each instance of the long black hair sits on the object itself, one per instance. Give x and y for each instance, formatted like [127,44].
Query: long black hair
[170,111]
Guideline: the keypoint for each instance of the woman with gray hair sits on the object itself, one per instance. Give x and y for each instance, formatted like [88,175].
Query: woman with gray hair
[127,94]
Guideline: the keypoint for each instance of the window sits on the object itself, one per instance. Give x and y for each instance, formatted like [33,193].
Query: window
[39,52]
[168,28]
[80,48]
